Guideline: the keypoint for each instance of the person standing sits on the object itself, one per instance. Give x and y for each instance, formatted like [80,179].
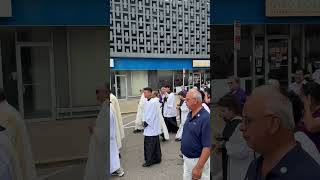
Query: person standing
[164,130]
[152,130]
[139,117]
[184,111]
[236,155]
[268,128]
[310,124]
[170,111]
[236,91]
[115,167]
[299,81]
[119,123]
[97,162]
[19,137]
[196,139]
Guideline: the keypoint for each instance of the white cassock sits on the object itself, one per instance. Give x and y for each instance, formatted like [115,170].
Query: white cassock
[170,107]
[163,125]
[307,145]
[119,122]
[97,157]
[9,164]
[20,140]
[151,111]
[206,107]
[184,114]
[114,151]
[240,155]
[139,117]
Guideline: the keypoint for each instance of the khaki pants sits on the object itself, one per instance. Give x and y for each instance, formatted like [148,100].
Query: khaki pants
[190,163]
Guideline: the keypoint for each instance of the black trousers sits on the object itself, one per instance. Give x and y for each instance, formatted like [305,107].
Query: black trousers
[152,149]
[171,123]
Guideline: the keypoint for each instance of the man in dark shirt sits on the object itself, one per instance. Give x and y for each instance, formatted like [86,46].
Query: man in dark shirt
[236,91]
[196,139]
[268,128]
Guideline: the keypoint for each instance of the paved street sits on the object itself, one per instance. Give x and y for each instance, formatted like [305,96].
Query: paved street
[132,160]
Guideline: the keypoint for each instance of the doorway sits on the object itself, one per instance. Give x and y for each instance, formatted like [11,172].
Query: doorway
[35,80]
[278,59]
[121,86]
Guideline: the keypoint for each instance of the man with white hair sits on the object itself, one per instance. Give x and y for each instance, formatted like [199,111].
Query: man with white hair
[268,128]
[196,139]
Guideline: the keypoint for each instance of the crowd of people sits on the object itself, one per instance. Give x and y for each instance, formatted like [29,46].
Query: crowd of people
[186,116]
[272,134]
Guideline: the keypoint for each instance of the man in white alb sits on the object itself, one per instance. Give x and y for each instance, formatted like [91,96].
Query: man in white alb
[170,111]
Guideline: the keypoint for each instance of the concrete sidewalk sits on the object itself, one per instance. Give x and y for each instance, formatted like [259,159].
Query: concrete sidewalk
[65,140]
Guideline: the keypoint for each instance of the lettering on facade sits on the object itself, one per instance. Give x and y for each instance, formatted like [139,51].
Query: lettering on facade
[201,63]
[5,8]
[286,8]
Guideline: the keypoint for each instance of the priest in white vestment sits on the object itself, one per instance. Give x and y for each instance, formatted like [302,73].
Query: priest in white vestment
[119,123]
[97,157]
[19,138]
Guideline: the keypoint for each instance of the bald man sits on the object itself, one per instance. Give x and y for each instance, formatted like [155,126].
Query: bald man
[196,139]
[268,129]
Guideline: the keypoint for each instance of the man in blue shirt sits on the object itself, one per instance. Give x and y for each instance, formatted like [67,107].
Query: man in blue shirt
[236,91]
[268,128]
[196,139]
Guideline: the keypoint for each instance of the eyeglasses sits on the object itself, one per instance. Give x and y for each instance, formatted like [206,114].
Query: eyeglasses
[230,82]
[246,121]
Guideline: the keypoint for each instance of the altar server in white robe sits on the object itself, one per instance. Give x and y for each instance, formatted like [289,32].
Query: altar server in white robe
[119,123]
[164,129]
[152,130]
[19,138]
[170,111]
[139,117]
[183,117]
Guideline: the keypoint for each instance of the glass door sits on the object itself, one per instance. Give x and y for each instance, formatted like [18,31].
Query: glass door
[196,80]
[279,60]
[121,86]
[35,81]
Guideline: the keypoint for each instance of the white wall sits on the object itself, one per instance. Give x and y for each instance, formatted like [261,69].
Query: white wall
[88,52]
[139,80]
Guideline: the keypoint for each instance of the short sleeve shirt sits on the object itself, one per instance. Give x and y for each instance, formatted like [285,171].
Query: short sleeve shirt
[196,134]
[295,165]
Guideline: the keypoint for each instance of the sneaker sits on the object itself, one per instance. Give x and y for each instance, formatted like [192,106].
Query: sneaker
[119,172]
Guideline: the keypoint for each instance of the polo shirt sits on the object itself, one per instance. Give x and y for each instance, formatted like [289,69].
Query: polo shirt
[196,134]
[295,165]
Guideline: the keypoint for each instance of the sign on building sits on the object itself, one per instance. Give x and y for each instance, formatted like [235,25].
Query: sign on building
[5,8]
[201,63]
[237,34]
[286,8]
[112,63]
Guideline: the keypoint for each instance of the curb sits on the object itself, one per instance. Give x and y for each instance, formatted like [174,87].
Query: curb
[60,162]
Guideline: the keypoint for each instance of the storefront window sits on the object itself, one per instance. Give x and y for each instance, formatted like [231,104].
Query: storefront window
[222,51]
[312,38]
[245,53]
